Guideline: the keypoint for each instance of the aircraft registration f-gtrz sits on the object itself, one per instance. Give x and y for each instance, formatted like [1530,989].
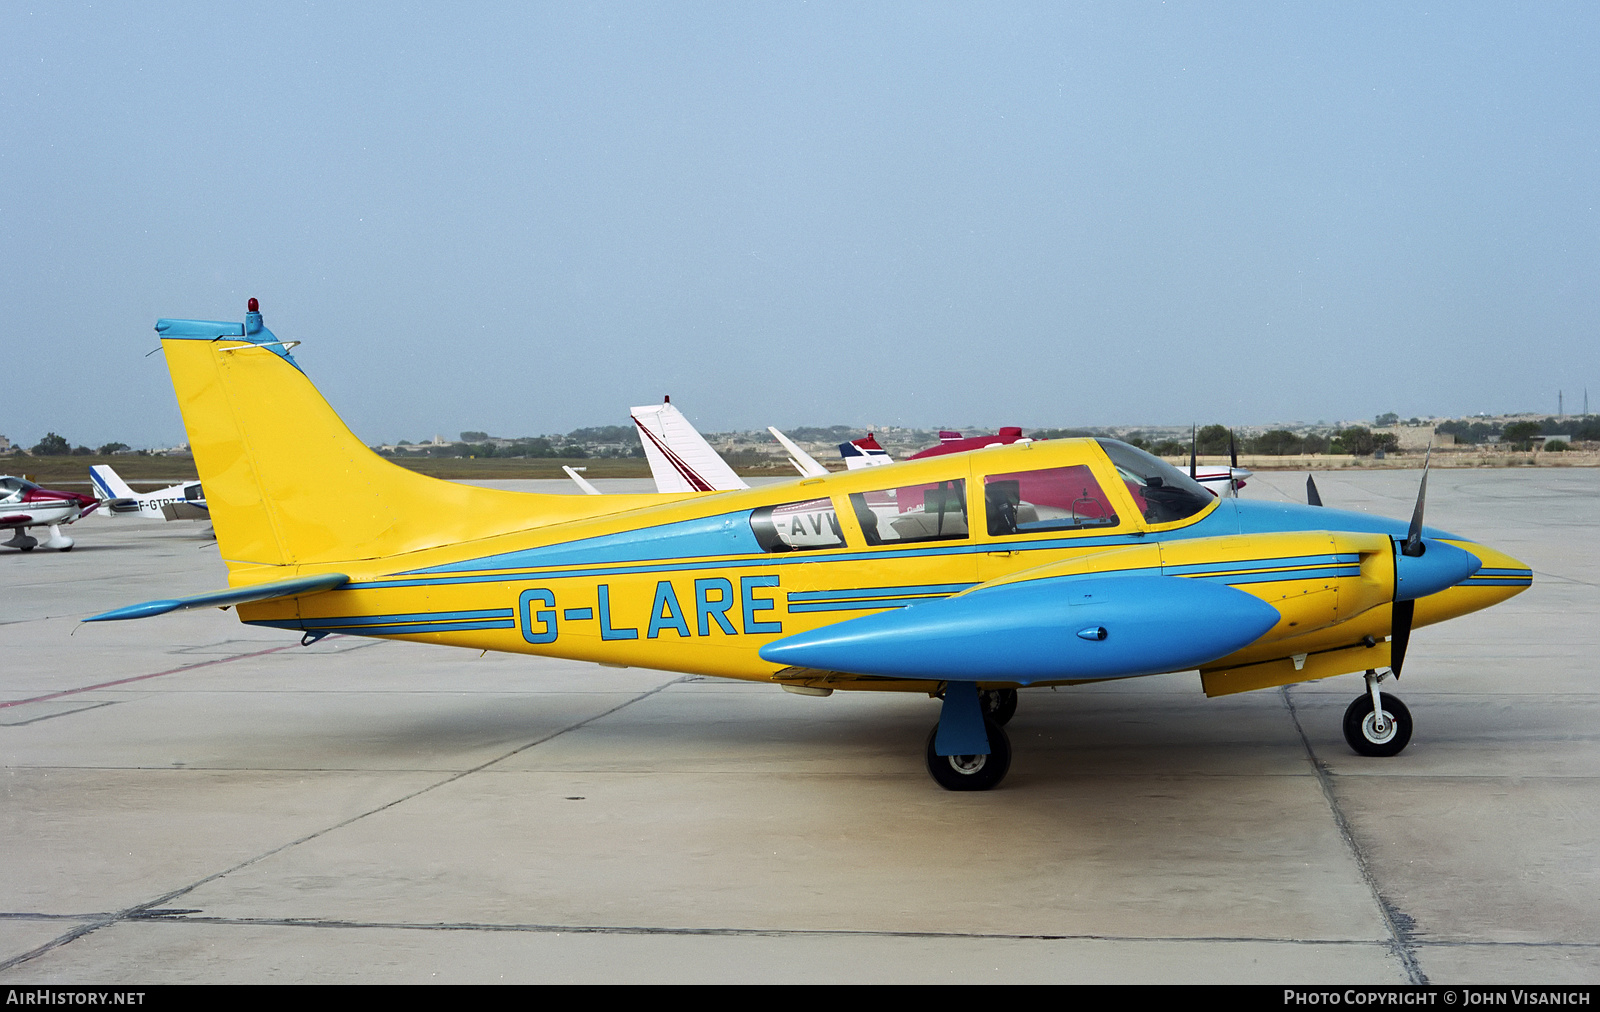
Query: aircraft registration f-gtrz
[965,576]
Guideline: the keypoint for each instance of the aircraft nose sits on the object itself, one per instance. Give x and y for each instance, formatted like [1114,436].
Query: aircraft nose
[1440,566]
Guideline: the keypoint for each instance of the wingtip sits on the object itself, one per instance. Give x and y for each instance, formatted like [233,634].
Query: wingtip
[145,610]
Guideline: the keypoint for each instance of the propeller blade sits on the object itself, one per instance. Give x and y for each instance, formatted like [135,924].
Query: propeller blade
[1400,634]
[1405,611]
[1233,465]
[1193,446]
[1312,497]
[1413,545]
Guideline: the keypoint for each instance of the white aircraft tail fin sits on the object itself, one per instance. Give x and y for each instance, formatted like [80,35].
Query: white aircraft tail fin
[680,458]
[803,462]
[108,484]
[864,452]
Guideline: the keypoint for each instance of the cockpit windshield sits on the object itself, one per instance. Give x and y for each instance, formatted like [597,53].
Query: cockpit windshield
[12,489]
[1163,492]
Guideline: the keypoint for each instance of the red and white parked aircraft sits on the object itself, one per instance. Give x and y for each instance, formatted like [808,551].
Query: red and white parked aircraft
[24,504]
[682,461]
[1219,481]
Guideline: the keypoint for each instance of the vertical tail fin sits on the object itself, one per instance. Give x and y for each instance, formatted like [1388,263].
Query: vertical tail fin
[108,484]
[863,452]
[680,458]
[288,483]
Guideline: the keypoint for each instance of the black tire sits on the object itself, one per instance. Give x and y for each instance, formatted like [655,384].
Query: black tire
[1358,730]
[971,773]
[999,705]
[28,548]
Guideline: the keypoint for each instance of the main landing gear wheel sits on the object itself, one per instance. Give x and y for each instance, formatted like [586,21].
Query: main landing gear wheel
[971,772]
[1361,726]
[999,705]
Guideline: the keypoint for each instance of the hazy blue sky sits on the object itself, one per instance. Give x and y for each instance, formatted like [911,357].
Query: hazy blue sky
[524,218]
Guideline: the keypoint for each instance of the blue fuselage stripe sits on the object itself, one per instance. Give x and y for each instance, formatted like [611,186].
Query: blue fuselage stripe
[1330,572]
[847,594]
[424,616]
[1219,573]
[882,602]
[393,629]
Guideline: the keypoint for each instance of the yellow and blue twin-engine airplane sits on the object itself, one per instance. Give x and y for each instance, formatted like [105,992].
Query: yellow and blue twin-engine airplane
[964,576]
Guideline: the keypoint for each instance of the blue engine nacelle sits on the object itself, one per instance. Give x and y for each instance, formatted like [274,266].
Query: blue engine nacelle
[1056,628]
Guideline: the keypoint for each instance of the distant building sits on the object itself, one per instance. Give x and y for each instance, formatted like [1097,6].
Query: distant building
[6,447]
[1418,437]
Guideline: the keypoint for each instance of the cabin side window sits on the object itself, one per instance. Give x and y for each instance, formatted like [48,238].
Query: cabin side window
[1050,499]
[931,512]
[797,526]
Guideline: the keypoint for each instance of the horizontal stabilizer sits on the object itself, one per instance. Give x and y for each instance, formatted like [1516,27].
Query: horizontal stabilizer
[185,511]
[296,587]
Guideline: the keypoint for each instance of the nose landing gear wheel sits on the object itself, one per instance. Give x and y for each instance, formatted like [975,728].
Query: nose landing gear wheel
[999,705]
[1361,726]
[971,772]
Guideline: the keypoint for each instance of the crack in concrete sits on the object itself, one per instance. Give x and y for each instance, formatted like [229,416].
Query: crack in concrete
[1398,923]
[170,915]
[139,911]
[139,678]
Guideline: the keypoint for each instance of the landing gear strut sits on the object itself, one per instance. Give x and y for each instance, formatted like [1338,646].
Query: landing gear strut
[967,750]
[60,542]
[21,540]
[1377,724]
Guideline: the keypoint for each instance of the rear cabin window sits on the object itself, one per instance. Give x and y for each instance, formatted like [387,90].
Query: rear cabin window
[931,512]
[1052,499]
[797,526]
